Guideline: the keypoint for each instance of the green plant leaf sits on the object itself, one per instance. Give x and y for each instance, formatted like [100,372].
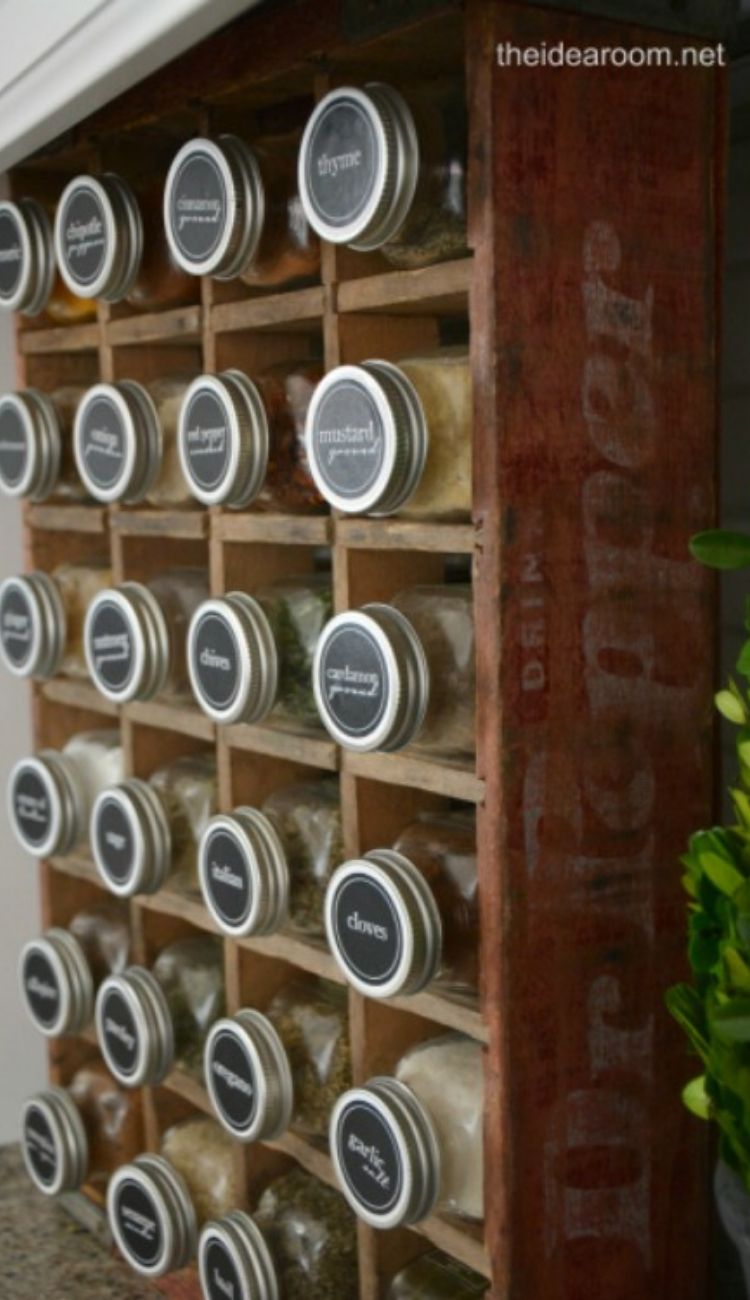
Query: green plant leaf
[722,873]
[737,969]
[720,549]
[688,1010]
[741,804]
[732,1021]
[697,1099]
[730,707]
[743,661]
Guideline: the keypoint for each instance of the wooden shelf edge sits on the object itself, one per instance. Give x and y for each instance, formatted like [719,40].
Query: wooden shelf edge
[187,908]
[160,523]
[437,283]
[286,947]
[183,718]
[421,774]
[288,530]
[450,1015]
[185,1086]
[67,519]
[77,865]
[60,338]
[78,695]
[266,312]
[406,535]
[459,1242]
[296,747]
[180,324]
[311,1158]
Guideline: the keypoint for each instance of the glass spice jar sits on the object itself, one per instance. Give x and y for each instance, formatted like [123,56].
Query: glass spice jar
[149,1022]
[301,1240]
[387,676]
[29,280]
[264,868]
[134,635]
[241,441]
[79,1135]
[383,438]
[151,1216]
[203,1153]
[285,1069]
[251,656]
[399,919]
[436,1276]
[36,444]
[109,244]
[420,1132]
[144,833]
[42,616]
[125,441]
[50,795]
[60,972]
[381,171]
[231,211]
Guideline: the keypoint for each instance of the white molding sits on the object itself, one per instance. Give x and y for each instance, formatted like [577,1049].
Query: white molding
[62,59]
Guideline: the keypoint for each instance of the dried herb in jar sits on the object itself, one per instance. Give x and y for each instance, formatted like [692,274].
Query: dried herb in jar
[203,1153]
[307,818]
[311,1020]
[311,1234]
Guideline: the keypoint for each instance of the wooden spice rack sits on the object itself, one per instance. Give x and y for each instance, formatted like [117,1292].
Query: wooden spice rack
[525,538]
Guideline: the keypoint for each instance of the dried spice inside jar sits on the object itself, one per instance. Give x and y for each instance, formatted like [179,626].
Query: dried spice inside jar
[443,619]
[297,609]
[443,383]
[169,487]
[188,792]
[311,1234]
[203,1153]
[307,818]
[310,1018]
[112,1119]
[77,585]
[286,391]
[103,933]
[436,1276]
[61,971]
[191,975]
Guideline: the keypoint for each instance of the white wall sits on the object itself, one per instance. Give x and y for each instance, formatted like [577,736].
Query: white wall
[22,1054]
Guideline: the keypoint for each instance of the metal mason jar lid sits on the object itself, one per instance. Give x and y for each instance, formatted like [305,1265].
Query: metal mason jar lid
[359,165]
[152,1216]
[27,260]
[56,983]
[46,805]
[131,838]
[32,626]
[118,441]
[366,436]
[385,1153]
[214,207]
[248,1077]
[243,873]
[53,1142]
[232,659]
[98,237]
[134,1028]
[30,445]
[234,1261]
[223,439]
[371,679]
[383,925]
[126,640]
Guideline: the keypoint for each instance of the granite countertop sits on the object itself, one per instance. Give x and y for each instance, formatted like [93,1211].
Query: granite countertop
[46,1255]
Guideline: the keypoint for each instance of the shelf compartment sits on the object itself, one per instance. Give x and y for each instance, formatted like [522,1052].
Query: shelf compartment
[284,530]
[78,865]
[315,960]
[454,781]
[60,338]
[406,535]
[67,518]
[160,523]
[300,306]
[183,324]
[184,718]
[310,751]
[78,695]
[443,289]
[169,903]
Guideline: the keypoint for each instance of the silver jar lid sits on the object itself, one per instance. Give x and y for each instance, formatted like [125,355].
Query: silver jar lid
[248,1077]
[56,983]
[371,679]
[134,1028]
[131,838]
[359,165]
[243,873]
[118,441]
[98,237]
[385,1153]
[366,437]
[232,659]
[27,260]
[152,1216]
[234,1262]
[53,1142]
[383,925]
[30,445]
[223,439]
[46,804]
[126,640]
[32,626]
[214,207]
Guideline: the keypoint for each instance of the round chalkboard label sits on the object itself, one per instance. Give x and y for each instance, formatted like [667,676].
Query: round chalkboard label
[17,625]
[367,929]
[83,230]
[233,1083]
[102,444]
[220,1278]
[41,1147]
[216,661]
[342,162]
[369,1157]
[347,440]
[11,254]
[30,799]
[205,432]
[353,680]
[138,1222]
[119,1032]
[15,446]
[110,646]
[198,206]
[114,841]
[226,876]
[41,988]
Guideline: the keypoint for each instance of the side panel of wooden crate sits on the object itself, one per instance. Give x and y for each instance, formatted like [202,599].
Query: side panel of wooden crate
[595,223]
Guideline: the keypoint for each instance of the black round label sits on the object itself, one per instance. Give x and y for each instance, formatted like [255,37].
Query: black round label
[369,1157]
[115,842]
[110,644]
[348,439]
[227,877]
[353,680]
[11,254]
[41,988]
[368,929]
[233,1080]
[102,442]
[198,208]
[84,236]
[40,1144]
[120,1032]
[138,1221]
[14,446]
[342,163]
[205,439]
[31,806]
[221,1277]
[16,625]
[215,661]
